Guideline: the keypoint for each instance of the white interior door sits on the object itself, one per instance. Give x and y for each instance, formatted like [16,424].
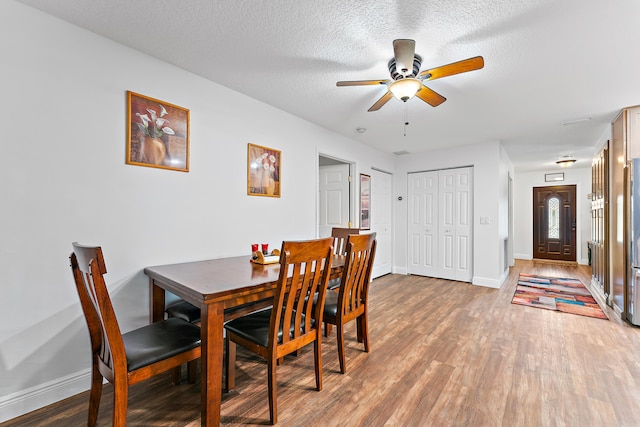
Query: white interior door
[440,224]
[464,224]
[334,198]
[446,223]
[423,224]
[455,194]
[381,200]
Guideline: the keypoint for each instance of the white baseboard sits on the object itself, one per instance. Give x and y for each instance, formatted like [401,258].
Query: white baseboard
[400,270]
[479,281]
[490,283]
[33,398]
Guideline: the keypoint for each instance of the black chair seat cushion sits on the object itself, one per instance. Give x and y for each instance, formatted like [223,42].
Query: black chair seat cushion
[159,341]
[331,305]
[334,283]
[255,327]
[184,310]
[189,312]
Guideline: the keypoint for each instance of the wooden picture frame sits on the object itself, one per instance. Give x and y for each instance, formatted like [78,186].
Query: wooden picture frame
[264,169]
[157,133]
[365,202]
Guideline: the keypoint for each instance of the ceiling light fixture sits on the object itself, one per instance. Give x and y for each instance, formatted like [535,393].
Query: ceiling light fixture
[565,161]
[405,89]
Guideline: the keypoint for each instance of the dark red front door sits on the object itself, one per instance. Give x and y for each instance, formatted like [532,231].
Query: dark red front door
[554,222]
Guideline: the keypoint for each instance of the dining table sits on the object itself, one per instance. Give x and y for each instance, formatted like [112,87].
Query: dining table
[215,285]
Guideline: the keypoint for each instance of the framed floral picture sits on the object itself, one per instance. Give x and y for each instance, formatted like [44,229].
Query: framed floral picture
[263,171]
[157,133]
[365,202]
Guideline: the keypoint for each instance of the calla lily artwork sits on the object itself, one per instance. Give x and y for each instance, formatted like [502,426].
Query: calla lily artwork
[157,133]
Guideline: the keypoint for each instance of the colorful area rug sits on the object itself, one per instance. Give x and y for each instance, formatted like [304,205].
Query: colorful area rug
[555,293]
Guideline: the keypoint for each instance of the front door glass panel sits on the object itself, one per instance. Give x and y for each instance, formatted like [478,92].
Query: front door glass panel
[554,218]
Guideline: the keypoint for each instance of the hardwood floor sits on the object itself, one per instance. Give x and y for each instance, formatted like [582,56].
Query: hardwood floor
[442,354]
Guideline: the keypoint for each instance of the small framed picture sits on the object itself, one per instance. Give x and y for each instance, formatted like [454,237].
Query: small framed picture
[553,177]
[264,169]
[365,202]
[157,133]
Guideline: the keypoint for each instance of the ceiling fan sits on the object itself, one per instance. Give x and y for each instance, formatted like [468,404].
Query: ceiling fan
[406,79]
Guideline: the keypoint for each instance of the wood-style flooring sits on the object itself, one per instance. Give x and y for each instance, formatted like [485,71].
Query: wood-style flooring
[442,354]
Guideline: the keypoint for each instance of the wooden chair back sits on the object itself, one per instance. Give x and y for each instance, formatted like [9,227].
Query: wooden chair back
[309,263]
[340,236]
[354,287]
[87,263]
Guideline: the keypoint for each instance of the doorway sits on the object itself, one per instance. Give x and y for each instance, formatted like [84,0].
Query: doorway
[338,205]
[335,204]
[554,222]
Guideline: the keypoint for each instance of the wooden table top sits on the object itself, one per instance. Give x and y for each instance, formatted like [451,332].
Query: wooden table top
[219,279]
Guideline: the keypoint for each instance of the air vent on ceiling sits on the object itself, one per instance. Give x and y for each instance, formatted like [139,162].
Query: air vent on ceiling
[400,153]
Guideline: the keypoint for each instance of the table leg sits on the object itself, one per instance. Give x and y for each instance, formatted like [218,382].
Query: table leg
[156,297]
[212,321]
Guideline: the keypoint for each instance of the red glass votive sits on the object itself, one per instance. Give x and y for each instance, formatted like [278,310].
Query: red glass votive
[254,247]
[265,248]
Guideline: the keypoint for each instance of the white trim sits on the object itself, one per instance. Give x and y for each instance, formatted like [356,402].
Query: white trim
[25,401]
[523,256]
[490,283]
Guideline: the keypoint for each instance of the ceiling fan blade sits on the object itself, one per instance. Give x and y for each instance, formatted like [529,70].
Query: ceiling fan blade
[430,96]
[404,51]
[456,68]
[362,83]
[380,102]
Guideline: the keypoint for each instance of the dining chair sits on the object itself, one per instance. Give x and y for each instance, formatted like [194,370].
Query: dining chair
[124,359]
[289,324]
[340,237]
[351,302]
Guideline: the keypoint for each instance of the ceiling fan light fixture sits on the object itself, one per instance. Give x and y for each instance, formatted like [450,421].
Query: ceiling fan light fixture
[405,89]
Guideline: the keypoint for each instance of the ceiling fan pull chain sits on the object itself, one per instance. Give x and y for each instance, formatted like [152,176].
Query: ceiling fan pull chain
[406,118]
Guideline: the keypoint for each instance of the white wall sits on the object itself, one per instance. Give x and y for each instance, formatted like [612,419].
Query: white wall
[64,179]
[523,209]
[490,168]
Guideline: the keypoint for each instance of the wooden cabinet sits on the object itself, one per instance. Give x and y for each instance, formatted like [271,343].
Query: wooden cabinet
[599,219]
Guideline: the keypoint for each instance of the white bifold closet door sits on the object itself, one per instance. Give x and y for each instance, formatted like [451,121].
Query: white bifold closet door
[440,223]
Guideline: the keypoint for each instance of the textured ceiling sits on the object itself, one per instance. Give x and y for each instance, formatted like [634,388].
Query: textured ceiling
[546,62]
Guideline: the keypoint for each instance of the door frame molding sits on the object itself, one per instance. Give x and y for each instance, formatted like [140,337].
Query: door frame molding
[352,187]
